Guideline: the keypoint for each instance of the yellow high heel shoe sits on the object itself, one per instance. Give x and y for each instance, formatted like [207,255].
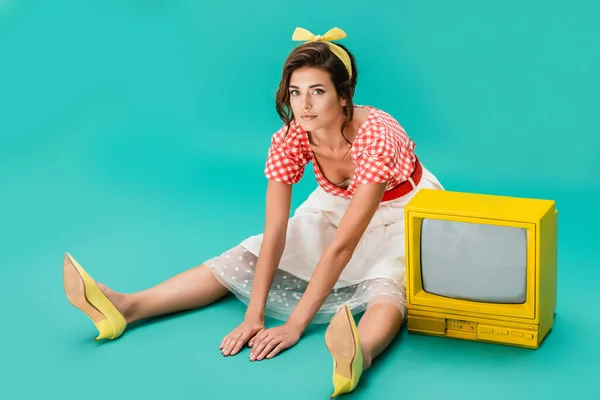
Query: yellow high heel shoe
[83,293]
[343,343]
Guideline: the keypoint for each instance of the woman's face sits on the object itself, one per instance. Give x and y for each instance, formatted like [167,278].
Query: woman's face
[314,100]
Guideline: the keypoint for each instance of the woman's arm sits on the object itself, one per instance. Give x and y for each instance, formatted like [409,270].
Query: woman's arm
[278,202]
[352,226]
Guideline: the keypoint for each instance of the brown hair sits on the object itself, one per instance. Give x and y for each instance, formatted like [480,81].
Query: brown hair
[317,55]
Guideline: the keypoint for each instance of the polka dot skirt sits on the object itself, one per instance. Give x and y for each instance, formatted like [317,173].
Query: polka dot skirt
[235,270]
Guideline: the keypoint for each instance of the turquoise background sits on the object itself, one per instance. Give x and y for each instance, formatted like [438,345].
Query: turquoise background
[133,134]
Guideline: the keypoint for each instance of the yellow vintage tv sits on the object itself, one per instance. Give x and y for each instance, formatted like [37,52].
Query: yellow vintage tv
[481,267]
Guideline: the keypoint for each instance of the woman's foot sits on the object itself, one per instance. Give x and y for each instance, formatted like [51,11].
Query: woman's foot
[85,294]
[121,301]
[343,342]
[367,359]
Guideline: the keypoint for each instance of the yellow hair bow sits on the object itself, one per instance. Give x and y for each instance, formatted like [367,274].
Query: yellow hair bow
[301,34]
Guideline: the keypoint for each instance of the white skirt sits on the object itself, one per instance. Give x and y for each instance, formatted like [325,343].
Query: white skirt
[374,274]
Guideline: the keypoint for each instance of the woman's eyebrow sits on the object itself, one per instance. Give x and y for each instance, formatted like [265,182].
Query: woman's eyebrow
[310,87]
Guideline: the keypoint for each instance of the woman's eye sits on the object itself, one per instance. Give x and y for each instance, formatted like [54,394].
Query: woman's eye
[319,91]
[294,92]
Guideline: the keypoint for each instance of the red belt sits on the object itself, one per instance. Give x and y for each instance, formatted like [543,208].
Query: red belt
[406,186]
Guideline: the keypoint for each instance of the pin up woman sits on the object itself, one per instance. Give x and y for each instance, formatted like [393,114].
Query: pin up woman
[340,254]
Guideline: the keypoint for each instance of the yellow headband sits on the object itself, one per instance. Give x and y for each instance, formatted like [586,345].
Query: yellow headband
[332,34]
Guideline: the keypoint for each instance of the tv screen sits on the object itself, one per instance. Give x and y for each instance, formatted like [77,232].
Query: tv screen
[476,262]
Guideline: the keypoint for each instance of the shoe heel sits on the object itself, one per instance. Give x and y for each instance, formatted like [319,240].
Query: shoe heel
[105,330]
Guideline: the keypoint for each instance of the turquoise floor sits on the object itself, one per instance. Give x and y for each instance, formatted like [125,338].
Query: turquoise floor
[133,135]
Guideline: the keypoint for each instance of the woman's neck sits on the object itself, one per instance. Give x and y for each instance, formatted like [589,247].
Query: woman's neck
[331,137]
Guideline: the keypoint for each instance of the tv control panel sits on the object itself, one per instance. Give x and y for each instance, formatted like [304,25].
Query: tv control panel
[490,333]
[484,331]
[503,334]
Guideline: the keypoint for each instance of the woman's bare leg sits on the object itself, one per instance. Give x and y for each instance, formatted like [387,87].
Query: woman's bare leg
[378,326]
[190,289]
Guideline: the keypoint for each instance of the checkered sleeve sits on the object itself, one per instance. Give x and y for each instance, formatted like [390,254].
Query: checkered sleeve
[285,159]
[385,158]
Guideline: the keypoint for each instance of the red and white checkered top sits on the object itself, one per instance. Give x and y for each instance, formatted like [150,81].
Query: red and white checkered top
[382,152]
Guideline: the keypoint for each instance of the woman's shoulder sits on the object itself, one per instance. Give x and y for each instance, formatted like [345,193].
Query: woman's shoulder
[380,120]
[381,126]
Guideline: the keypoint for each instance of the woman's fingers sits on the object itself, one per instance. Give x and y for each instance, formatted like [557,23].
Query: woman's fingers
[227,339]
[276,350]
[254,337]
[266,343]
[225,342]
[222,345]
[268,348]
[231,342]
[259,345]
[237,345]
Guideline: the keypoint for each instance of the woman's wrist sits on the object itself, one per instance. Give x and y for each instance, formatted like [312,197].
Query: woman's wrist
[297,322]
[255,313]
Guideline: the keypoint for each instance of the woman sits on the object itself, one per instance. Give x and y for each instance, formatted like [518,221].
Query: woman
[340,254]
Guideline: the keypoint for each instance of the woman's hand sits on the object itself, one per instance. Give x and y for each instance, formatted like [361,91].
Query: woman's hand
[234,341]
[270,342]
